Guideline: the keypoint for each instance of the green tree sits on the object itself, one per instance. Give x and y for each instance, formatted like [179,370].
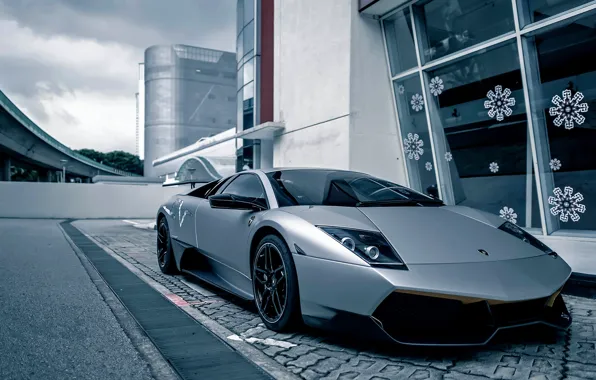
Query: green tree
[117,159]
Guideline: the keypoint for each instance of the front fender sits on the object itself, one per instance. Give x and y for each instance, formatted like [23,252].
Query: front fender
[311,240]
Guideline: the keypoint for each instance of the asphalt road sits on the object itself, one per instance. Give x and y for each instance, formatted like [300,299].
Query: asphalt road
[54,324]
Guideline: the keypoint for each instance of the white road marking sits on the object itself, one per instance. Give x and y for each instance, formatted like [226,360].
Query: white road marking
[129,221]
[268,341]
[271,342]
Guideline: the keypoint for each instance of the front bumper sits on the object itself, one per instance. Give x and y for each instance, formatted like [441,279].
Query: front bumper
[441,304]
[418,319]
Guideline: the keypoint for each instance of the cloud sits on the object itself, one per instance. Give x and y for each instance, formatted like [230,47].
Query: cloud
[72,65]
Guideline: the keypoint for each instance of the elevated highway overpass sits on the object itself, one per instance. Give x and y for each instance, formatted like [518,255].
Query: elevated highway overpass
[24,144]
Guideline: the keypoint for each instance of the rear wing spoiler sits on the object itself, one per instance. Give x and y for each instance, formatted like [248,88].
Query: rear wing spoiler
[191,183]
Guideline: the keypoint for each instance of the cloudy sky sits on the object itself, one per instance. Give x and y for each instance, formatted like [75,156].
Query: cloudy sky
[71,65]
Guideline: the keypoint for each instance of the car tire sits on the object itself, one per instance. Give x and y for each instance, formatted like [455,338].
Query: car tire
[287,281]
[165,255]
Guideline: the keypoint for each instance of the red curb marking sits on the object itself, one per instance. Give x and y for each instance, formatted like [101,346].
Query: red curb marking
[177,300]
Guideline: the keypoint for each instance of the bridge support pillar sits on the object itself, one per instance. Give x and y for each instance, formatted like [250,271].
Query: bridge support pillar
[5,169]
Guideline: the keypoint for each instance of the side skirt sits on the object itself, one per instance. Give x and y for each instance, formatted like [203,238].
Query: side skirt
[198,265]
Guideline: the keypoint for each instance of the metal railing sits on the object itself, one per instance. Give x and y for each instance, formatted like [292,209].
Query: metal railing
[13,110]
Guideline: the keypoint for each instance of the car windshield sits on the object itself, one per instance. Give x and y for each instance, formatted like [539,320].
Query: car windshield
[306,187]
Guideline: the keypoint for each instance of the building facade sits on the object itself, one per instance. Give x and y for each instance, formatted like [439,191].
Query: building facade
[190,93]
[489,104]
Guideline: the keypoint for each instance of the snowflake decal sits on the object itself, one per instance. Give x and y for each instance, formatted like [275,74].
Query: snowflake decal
[555,164]
[493,167]
[413,146]
[448,156]
[401,89]
[508,214]
[417,102]
[428,166]
[566,204]
[499,103]
[436,86]
[567,110]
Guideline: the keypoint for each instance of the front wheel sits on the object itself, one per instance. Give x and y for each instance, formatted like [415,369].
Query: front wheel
[165,256]
[275,284]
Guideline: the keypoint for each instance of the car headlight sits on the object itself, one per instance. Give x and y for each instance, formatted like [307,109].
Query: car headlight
[370,246]
[521,234]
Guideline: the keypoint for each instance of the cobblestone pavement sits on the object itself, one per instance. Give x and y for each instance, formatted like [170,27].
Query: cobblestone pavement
[314,355]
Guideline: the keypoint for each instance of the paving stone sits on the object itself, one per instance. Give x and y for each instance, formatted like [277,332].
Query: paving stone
[319,356]
[327,365]
[499,365]
[297,351]
[273,350]
[581,371]
[310,375]
[282,359]
[307,360]
[368,368]
[337,354]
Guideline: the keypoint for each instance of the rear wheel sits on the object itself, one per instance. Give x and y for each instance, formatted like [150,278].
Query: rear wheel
[165,256]
[275,284]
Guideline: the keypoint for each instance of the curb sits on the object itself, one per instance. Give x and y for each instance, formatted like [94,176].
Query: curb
[158,365]
[274,369]
[581,285]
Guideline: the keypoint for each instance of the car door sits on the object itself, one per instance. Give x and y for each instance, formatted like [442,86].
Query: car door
[183,218]
[222,234]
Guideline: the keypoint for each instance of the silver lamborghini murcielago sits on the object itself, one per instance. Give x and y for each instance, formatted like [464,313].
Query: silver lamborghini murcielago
[346,250]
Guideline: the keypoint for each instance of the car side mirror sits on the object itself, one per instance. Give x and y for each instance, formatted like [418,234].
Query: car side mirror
[433,191]
[234,202]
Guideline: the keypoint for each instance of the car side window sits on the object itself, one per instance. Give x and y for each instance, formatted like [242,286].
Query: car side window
[246,185]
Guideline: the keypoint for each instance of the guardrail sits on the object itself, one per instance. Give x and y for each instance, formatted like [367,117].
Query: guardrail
[12,109]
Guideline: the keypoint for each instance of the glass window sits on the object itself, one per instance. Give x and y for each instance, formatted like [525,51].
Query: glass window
[447,26]
[400,42]
[240,47]
[246,185]
[477,108]
[249,71]
[537,10]
[562,86]
[249,38]
[240,78]
[415,137]
[249,91]
[239,16]
[249,11]
[339,188]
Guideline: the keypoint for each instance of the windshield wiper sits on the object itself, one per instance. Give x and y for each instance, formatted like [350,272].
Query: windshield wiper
[398,202]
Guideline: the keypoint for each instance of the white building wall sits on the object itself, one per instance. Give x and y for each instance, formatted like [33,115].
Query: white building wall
[332,90]
[312,82]
[374,140]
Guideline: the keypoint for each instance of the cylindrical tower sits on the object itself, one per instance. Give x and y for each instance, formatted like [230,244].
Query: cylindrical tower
[190,93]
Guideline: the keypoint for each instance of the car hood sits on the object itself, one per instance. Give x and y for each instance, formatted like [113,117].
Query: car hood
[449,234]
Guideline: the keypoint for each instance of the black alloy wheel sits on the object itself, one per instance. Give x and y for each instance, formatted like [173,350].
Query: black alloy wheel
[275,284]
[165,257]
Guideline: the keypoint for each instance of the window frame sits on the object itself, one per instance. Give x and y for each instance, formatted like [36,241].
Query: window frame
[235,177]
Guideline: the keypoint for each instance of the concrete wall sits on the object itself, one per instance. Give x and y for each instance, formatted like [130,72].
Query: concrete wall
[332,90]
[81,201]
[312,82]
[375,146]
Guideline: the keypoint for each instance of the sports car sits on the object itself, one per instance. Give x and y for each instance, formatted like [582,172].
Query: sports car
[339,249]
